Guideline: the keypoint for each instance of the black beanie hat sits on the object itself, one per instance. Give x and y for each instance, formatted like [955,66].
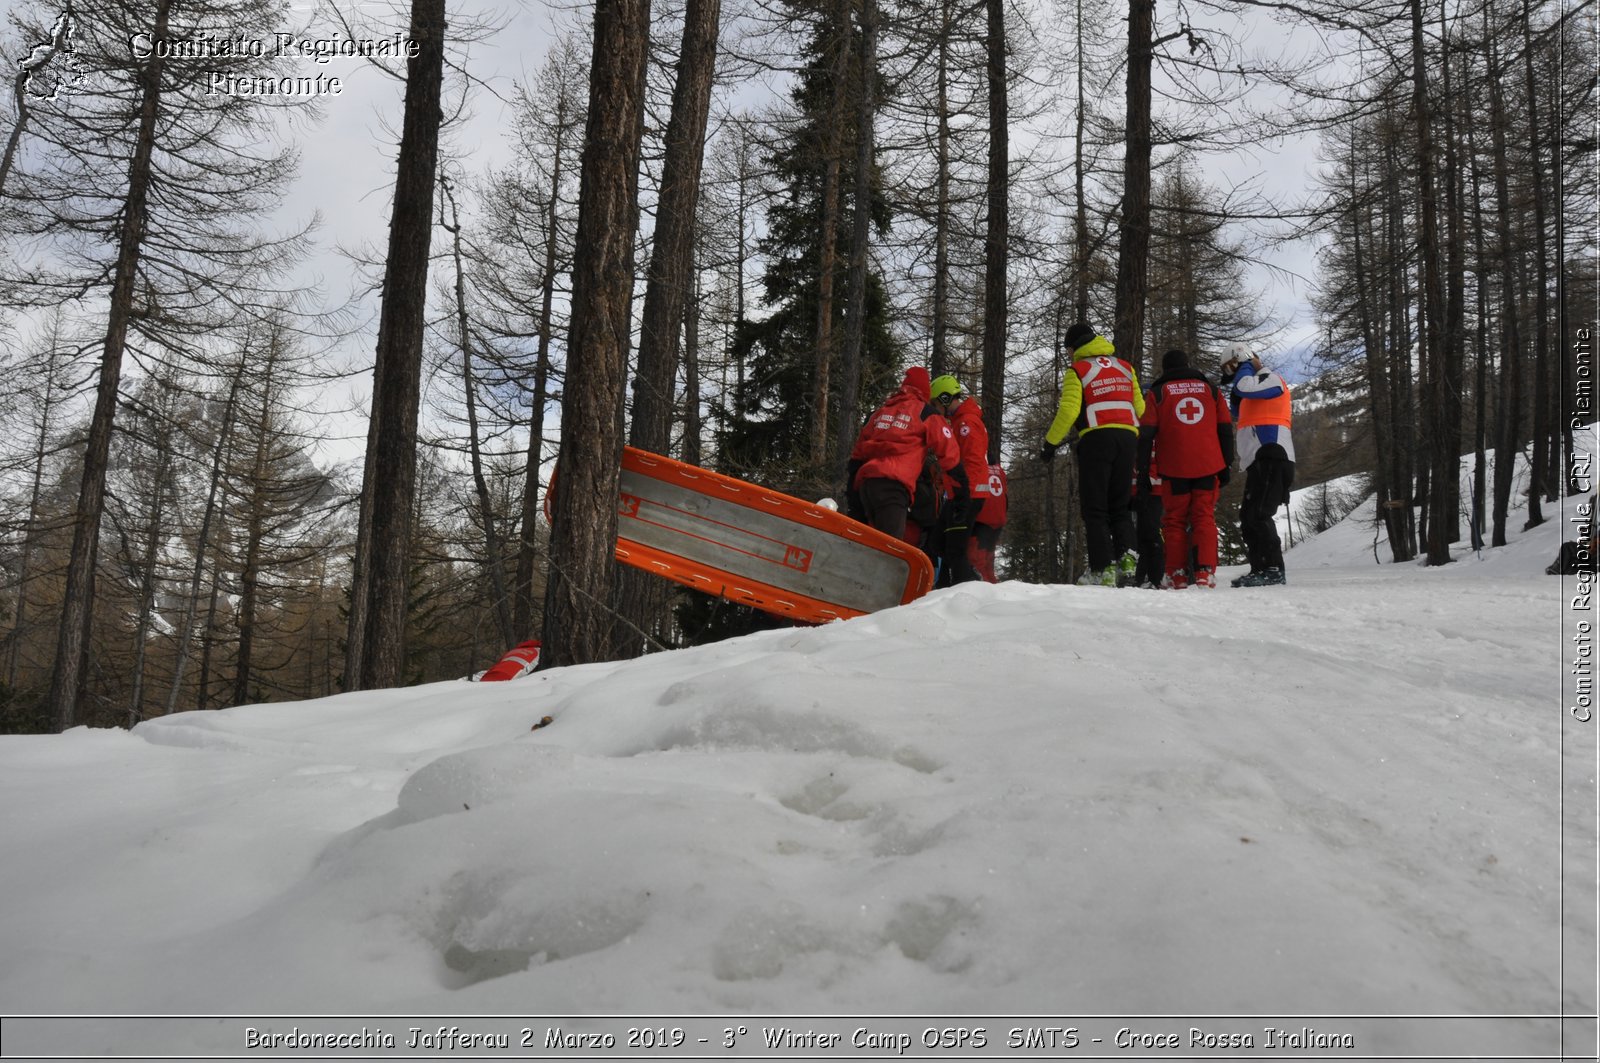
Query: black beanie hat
[1079,334]
[1174,359]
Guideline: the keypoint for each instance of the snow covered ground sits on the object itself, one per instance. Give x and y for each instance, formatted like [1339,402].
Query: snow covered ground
[1332,805]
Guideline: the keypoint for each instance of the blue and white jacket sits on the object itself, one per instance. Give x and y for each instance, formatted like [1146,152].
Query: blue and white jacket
[1259,402]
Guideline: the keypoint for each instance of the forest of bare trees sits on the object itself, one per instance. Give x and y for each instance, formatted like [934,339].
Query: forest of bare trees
[720,229]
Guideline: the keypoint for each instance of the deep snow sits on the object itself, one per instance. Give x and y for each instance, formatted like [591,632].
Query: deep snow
[1358,796]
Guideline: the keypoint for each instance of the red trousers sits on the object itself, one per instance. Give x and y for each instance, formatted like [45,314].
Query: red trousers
[980,550]
[1189,519]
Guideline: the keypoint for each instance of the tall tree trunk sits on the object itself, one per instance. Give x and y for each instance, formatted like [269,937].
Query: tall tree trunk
[250,568]
[828,237]
[77,604]
[643,598]
[21,617]
[997,238]
[378,649]
[208,516]
[1573,415]
[208,634]
[1509,404]
[939,360]
[693,426]
[583,536]
[1080,258]
[1443,467]
[1480,474]
[527,545]
[495,560]
[148,564]
[1377,375]
[671,273]
[850,355]
[1133,252]
[1543,419]
[1402,408]
[1052,518]
[1453,347]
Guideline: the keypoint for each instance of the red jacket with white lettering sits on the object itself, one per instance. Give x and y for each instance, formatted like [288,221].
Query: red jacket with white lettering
[898,435]
[1190,417]
[972,438]
[994,498]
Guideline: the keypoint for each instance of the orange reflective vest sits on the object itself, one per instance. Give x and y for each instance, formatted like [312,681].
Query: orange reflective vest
[1265,411]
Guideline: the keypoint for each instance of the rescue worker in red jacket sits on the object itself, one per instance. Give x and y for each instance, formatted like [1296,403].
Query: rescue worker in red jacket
[972,439]
[891,449]
[990,522]
[1100,397]
[1189,418]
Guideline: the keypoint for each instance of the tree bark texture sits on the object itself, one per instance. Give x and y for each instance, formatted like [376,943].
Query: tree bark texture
[1133,252]
[849,388]
[389,485]
[77,605]
[527,546]
[1443,468]
[671,273]
[642,598]
[828,250]
[211,514]
[494,556]
[1538,482]
[939,359]
[1508,407]
[997,238]
[577,621]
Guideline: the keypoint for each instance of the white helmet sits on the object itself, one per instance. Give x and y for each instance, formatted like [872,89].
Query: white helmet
[1234,354]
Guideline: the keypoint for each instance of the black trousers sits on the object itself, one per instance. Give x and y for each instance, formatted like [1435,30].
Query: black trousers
[1147,511]
[886,503]
[1266,487]
[1105,488]
[957,521]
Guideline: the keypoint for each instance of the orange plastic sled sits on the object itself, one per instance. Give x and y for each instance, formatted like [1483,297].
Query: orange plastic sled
[758,547]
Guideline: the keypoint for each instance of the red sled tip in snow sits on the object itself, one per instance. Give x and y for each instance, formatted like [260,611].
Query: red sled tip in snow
[517,662]
[758,547]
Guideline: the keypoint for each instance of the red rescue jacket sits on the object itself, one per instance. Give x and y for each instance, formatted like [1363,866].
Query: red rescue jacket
[972,438]
[899,433]
[1189,416]
[995,498]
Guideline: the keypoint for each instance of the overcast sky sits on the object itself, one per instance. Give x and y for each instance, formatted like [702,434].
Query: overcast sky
[348,161]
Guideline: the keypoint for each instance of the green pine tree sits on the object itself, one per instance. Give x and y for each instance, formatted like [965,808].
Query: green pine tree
[766,429]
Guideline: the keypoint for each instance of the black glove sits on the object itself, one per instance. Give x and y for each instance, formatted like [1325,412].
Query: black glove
[1223,477]
[1047,453]
[1143,490]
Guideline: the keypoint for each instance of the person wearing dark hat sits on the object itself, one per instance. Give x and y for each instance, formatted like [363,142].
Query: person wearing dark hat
[1101,399]
[1261,408]
[1189,419]
[892,449]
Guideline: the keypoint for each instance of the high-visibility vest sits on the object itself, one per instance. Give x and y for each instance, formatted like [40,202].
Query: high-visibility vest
[1275,410]
[1107,392]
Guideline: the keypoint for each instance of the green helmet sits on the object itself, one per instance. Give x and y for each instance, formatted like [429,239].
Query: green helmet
[944,385]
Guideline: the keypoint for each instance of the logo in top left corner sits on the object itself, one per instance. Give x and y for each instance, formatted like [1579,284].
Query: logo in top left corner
[52,65]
